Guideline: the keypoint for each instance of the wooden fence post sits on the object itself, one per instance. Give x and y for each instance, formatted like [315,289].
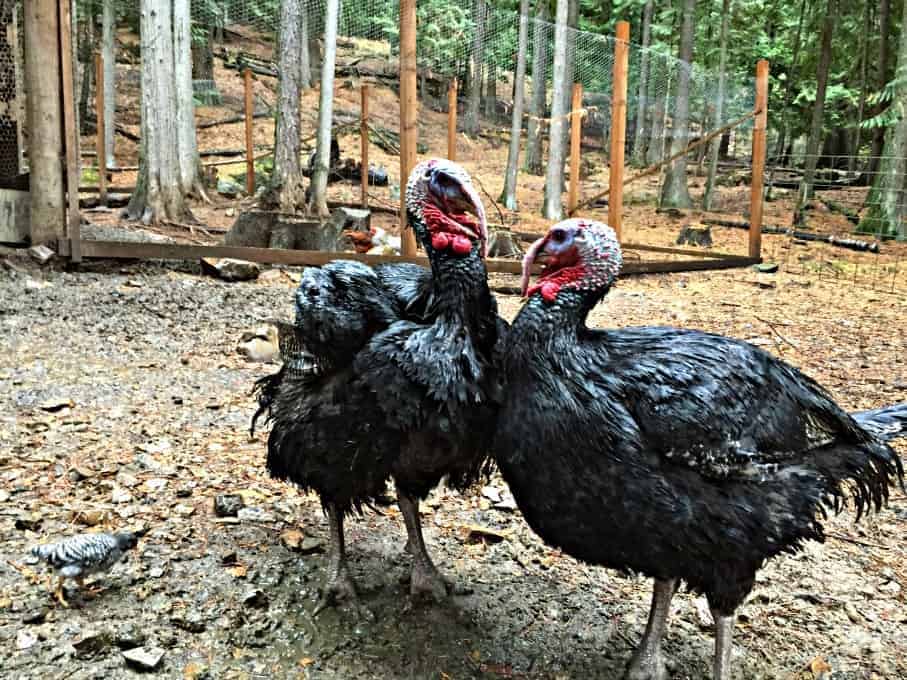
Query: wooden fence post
[408,129]
[363,144]
[756,185]
[452,120]
[71,135]
[101,128]
[576,138]
[618,126]
[249,117]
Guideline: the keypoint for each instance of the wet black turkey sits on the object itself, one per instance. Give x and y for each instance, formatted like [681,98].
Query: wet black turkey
[387,374]
[678,454]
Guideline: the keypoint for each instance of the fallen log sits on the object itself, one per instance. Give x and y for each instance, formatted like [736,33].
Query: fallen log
[849,243]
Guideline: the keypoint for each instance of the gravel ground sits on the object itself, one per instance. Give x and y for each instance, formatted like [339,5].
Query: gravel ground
[126,404]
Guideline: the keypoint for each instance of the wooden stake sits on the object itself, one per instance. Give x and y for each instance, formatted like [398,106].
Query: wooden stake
[452,120]
[618,126]
[363,144]
[71,134]
[408,130]
[101,129]
[250,151]
[756,185]
[576,138]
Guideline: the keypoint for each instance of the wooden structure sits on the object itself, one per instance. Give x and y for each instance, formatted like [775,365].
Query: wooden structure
[576,138]
[618,126]
[756,184]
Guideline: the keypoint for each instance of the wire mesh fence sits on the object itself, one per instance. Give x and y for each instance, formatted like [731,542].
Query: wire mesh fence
[474,45]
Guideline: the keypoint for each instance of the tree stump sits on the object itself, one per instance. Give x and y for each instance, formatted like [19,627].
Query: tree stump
[263,229]
[503,243]
[695,236]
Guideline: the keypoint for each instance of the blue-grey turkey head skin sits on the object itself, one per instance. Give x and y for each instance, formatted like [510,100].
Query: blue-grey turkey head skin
[673,453]
[85,554]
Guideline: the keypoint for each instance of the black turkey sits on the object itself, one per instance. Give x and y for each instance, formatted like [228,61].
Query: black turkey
[674,453]
[387,374]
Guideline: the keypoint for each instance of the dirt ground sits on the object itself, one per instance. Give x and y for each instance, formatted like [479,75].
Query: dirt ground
[123,403]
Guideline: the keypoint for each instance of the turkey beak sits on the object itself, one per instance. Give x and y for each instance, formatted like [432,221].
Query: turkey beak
[475,207]
[536,249]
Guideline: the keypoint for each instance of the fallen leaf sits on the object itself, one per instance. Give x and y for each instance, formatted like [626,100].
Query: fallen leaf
[819,667]
[292,539]
[306,661]
[475,533]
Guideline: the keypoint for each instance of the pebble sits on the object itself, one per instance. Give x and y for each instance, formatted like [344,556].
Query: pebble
[228,505]
[144,658]
[255,515]
[25,639]
[120,495]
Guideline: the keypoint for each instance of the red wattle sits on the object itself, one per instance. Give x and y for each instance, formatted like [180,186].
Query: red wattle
[549,290]
[440,240]
[461,245]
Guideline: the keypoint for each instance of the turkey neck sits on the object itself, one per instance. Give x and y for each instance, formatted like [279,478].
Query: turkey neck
[542,326]
[459,286]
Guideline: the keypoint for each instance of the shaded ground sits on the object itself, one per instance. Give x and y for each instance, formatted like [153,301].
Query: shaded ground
[124,403]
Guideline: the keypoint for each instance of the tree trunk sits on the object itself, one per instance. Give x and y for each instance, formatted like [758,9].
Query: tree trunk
[539,90]
[719,106]
[639,138]
[885,203]
[861,106]
[491,90]
[815,129]
[508,196]
[788,84]
[305,65]
[878,134]
[108,53]
[554,175]
[187,145]
[572,24]
[674,190]
[45,140]
[86,57]
[655,147]
[203,56]
[471,123]
[159,190]
[318,201]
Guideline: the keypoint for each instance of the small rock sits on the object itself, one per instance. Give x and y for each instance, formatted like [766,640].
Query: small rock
[28,522]
[354,219]
[152,485]
[229,269]
[25,639]
[892,587]
[311,545]
[32,285]
[35,613]
[77,473]
[129,636]
[227,187]
[228,505]
[491,493]
[127,480]
[255,598]
[144,658]
[191,623]
[183,510]
[91,644]
[155,572]
[120,495]
[254,515]
[766,267]
[41,254]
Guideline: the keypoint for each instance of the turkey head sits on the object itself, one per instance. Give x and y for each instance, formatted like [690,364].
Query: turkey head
[445,209]
[578,254]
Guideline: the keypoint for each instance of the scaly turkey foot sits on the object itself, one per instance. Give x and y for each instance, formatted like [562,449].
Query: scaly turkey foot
[426,582]
[646,667]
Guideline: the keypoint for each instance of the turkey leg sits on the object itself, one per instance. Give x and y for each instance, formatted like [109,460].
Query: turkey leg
[339,584]
[647,662]
[724,632]
[426,580]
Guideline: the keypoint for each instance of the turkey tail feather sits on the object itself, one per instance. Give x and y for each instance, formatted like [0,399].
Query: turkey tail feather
[885,424]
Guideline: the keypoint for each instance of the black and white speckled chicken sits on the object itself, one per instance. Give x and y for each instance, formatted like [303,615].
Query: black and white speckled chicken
[80,556]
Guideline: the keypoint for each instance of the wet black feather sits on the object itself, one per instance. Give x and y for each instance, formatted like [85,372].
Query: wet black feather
[674,453]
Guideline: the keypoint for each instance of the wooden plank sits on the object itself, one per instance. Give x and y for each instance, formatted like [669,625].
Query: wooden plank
[689,252]
[177,251]
[452,120]
[100,145]
[618,126]
[250,151]
[757,183]
[576,138]
[363,143]
[408,115]
[71,134]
